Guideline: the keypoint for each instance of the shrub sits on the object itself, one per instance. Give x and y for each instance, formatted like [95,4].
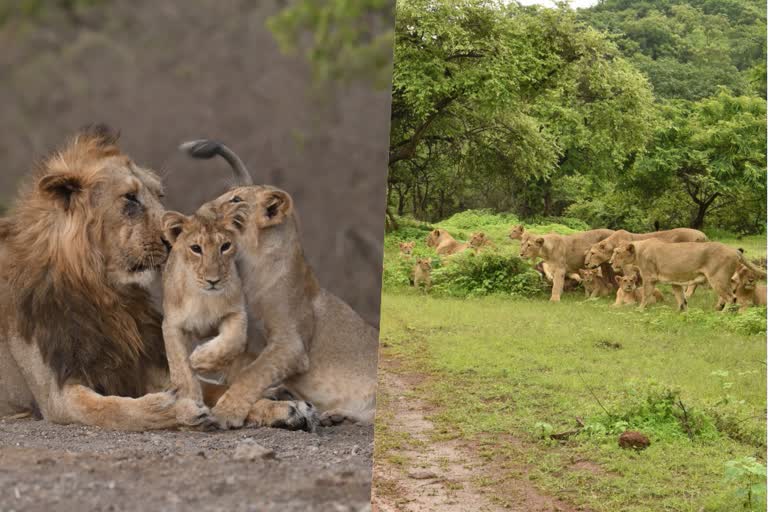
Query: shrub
[470,274]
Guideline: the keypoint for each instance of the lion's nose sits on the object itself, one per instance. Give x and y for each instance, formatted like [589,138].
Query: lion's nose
[213,282]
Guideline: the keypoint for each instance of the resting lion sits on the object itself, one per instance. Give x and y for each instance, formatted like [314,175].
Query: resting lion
[562,254]
[444,243]
[746,288]
[683,263]
[202,295]
[317,347]
[602,251]
[516,232]
[480,241]
[81,341]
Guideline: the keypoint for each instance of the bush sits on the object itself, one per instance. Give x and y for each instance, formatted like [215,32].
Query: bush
[487,273]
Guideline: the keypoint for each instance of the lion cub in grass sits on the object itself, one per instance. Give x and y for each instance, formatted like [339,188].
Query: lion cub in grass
[421,275]
[629,293]
[594,283]
[746,288]
[203,295]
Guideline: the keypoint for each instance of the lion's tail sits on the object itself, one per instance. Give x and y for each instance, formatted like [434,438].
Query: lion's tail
[751,266]
[205,148]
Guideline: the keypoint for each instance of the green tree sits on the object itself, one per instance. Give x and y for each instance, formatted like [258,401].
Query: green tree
[713,150]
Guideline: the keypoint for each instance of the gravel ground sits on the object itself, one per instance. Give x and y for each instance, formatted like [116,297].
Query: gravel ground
[52,467]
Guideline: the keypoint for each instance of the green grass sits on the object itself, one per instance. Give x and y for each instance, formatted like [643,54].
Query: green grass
[504,366]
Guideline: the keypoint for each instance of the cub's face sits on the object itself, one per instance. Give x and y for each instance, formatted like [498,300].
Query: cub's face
[531,247]
[623,255]
[627,283]
[599,253]
[425,264]
[588,276]
[516,233]
[204,245]
[406,248]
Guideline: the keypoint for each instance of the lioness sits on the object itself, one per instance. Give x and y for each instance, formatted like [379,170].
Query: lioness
[406,248]
[444,243]
[629,293]
[602,251]
[480,241]
[202,295]
[746,288]
[594,283]
[317,347]
[516,232]
[562,254]
[81,340]
[422,273]
[683,263]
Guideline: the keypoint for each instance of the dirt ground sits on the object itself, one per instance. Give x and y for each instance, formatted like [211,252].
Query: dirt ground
[446,475]
[51,467]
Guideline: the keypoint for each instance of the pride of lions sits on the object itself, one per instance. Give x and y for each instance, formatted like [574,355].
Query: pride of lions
[630,265]
[82,339]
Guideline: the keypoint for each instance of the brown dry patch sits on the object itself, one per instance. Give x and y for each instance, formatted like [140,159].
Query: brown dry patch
[422,474]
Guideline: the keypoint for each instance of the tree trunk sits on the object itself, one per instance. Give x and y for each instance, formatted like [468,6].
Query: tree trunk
[698,220]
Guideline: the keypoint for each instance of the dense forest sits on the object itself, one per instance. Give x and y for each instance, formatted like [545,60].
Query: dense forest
[633,114]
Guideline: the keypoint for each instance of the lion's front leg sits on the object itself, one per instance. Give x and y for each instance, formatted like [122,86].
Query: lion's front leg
[218,353]
[282,358]
[177,351]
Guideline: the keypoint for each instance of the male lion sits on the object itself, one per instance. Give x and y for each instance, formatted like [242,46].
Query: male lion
[203,295]
[681,264]
[317,347]
[562,254]
[81,341]
[444,243]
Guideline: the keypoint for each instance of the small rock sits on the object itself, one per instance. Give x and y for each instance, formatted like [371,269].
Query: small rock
[634,440]
[422,474]
[250,450]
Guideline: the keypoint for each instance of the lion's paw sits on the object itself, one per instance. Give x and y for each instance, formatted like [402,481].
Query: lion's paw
[205,359]
[230,413]
[298,415]
[191,413]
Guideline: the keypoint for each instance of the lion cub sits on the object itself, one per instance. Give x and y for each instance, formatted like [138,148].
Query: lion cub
[629,293]
[481,241]
[594,283]
[406,248]
[748,291]
[202,294]
[421,274]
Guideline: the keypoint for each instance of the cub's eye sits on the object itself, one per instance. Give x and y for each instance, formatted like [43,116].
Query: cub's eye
[133,198]
[226,246]
[236,199]
[196,249]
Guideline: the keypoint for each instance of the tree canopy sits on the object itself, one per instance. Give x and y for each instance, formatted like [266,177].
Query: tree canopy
[603,114]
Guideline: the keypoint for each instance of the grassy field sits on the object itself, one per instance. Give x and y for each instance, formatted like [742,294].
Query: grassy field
[504,367]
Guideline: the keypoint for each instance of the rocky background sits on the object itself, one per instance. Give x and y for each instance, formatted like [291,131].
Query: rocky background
[165,71]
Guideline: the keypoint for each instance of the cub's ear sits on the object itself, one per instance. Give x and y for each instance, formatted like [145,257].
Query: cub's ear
[539,241]
[274,207]
[631,248]
[173,225]
[235,215]
[436,232]
[61,187]
[617,279]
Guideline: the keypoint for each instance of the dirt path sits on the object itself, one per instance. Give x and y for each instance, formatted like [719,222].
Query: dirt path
[52,467]
[422,474]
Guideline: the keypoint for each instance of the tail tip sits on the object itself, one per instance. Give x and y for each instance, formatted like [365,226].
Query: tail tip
[202,148]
